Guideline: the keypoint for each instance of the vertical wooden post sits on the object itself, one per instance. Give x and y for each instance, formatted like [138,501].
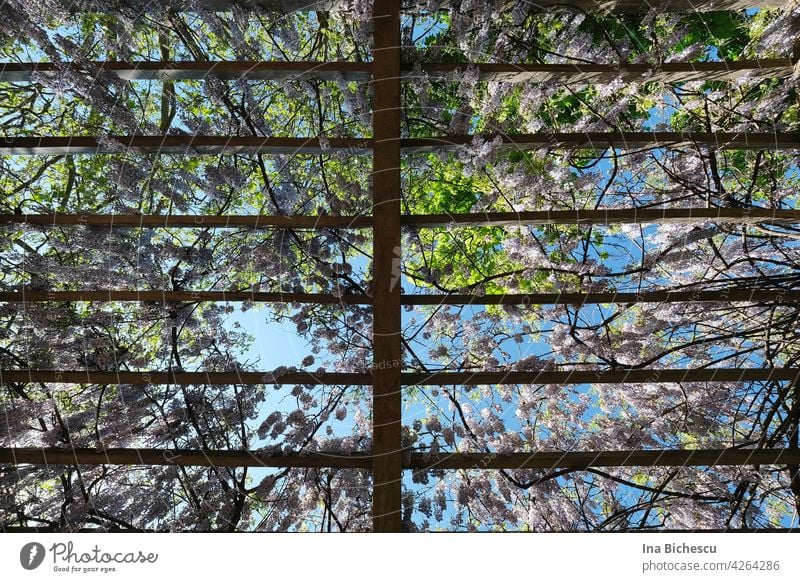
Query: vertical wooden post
[386,398]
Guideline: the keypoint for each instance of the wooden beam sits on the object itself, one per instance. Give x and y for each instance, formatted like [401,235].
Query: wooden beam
[694,530]
[601,376]
[180,144]
[616,139]
[643,6]
[719,296]
[565,377]
[590,73]
[189,220]
[387,328]
[416,461]
[585,459]
[183,378]
[155,6]
[183,296]
[281,71]
[203,144]
[754,295]
[521,218]
[606,216]
[275,5]
[603,6]
[179,457]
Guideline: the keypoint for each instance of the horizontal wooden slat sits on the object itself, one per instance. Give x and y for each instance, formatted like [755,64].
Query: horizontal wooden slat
[621,6]
[639,6]
[409,378]
[621,140]
[181,378]
[643,6]
[588,73]
[107,529]
[601,376]
[195,70]
[722,295]
[188,296]
[695,530]
[604,216]
[155,6]
[281,5]
[175,144]
[352,71]
[181,457]
[584,460]
[416,461]
[190,221]
[748,295]
[521,218]
[180,144]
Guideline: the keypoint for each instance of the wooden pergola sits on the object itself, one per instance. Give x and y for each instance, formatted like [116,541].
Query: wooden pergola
[387,460]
